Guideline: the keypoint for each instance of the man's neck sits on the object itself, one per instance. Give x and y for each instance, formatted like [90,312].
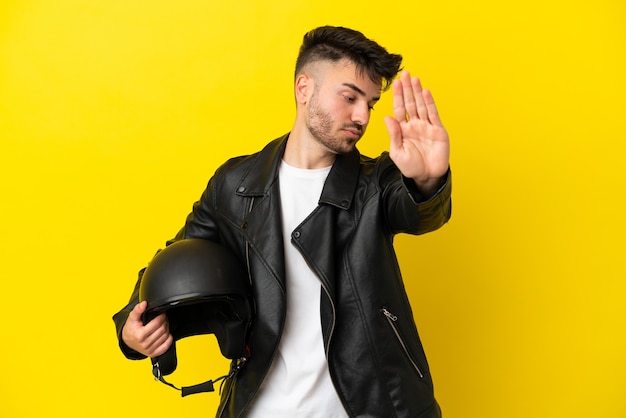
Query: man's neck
[302,151]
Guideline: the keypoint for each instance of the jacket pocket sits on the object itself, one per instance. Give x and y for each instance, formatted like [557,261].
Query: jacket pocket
[392,320]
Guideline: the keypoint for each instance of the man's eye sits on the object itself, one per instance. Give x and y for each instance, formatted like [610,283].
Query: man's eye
[349,99]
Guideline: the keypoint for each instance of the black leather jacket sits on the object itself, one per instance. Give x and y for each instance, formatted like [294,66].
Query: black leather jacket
[374,353]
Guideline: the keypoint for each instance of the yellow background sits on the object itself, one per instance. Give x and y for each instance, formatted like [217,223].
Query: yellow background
[114,114]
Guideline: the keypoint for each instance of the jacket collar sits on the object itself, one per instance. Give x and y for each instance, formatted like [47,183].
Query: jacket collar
[339,187]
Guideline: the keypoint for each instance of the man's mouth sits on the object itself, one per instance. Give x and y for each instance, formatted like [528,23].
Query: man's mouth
[354,133]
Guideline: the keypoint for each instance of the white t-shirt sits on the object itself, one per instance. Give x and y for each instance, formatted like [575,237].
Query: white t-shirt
[298,383]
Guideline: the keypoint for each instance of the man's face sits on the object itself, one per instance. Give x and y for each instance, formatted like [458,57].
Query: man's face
[339,108]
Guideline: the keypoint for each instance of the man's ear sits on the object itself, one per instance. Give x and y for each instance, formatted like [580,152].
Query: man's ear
[303,88]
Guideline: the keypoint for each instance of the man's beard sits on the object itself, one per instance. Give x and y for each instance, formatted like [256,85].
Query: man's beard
[320,125]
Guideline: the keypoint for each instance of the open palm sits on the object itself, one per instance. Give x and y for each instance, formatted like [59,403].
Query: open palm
[419,145]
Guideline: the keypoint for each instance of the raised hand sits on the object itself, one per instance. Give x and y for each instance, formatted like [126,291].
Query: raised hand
[419,145]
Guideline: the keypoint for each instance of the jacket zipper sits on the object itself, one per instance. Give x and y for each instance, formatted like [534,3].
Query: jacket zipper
[391,319]
[327,351]
[332,328]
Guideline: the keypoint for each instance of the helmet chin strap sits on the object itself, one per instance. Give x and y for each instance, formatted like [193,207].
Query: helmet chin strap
[207,386]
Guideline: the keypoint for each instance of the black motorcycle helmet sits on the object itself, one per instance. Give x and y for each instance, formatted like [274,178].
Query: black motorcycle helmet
[203,289]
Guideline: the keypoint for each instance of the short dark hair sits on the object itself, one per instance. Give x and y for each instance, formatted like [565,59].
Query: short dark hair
[334,43]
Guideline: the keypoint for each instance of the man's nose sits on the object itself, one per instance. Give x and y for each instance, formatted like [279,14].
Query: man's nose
[361,114]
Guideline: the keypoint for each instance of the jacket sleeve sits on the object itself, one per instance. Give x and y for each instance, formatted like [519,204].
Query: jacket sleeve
[120,319]
[407,210]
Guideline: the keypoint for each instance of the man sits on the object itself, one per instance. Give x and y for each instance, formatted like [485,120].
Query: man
[314,222]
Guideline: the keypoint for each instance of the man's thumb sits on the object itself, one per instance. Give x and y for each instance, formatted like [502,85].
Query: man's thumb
[138,311]
[395,132]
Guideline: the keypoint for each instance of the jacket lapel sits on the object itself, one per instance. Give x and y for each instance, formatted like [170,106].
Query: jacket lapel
[319,238]
[262,226]
[318,233]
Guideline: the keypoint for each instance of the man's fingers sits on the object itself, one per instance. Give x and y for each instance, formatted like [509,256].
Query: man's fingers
[418,97]
[161,346]
[409,100]
[157,344]
[399,110]
[433,113]
[152,339]
[410,95]
[157,327]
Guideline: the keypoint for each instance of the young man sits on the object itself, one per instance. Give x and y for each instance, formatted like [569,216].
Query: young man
[314,222]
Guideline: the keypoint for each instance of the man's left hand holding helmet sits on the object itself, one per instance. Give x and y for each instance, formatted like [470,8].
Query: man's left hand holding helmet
[152,339]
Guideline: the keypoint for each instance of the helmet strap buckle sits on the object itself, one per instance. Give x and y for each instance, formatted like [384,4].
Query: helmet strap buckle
[207,386]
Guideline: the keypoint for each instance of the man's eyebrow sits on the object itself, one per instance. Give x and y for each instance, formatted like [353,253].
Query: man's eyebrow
[358,90]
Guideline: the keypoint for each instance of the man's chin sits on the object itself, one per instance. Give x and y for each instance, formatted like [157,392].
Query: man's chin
[347,147]
[342,145]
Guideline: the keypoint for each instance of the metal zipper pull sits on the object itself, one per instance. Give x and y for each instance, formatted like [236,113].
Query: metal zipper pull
[393,318]
[389,315]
